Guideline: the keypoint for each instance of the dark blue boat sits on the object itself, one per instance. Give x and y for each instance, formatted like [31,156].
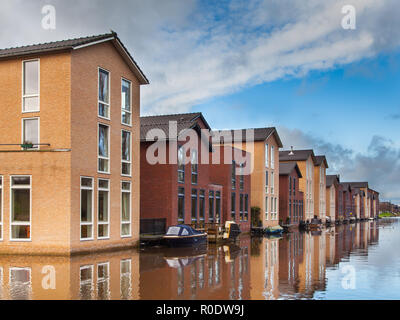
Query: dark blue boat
[183,236]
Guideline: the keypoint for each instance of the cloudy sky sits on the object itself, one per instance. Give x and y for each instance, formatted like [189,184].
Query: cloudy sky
[283,63]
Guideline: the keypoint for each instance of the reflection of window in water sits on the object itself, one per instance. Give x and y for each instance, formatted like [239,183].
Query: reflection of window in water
[86,282]
[232,291]
[201,272]
[193,280]
[1,282]
[245,259]
[126,279]
[181,281]
[210,271]
[20,283]
[103,281]
[217,271]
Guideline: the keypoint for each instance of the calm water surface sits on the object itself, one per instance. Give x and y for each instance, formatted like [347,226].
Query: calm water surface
[360,261]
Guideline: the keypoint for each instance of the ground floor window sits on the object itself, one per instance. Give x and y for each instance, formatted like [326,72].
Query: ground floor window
[126,216]
[266,208]
[181,204]
[21,208]
[241,203]
[194,205]
[103,208]
[233,207]
[202,205]
[86,208]
[246,207]
[211,206]
[218,206]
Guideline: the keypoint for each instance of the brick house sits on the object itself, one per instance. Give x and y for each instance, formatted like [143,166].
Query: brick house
[265,167]
[306,161]
[68,109]
[321,164]
[345,201]
[332,182]
[192,191]
[291,199]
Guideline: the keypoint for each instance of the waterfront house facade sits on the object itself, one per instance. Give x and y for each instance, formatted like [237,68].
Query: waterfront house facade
[265,167]
[306,161]
[332,182]
[291,199]
[320,187]
[68,108]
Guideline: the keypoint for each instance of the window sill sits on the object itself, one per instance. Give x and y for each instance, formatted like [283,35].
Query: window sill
[31,111]
[20,240]
[125,237]
[104,118]
[88,239]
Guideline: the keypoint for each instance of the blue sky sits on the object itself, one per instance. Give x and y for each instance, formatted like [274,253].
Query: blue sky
[256,63]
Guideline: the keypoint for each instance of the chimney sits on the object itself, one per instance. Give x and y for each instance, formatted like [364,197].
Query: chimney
[291,153]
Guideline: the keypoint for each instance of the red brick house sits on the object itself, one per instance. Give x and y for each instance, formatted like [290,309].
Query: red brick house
[291,199]
[178,187]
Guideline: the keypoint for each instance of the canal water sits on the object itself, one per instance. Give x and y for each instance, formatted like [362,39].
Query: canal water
[358,261]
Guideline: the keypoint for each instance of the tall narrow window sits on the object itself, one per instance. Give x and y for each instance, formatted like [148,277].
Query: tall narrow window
[266,208]
[21,208]
[266,181]
[126,101]
[294,186]
[181,165]
[272,157]
[241,203]
[126,279]
[202,205]
[241,178]
[194,205]
[233,175]
[272,183]
[31,87]
[30,132]
[86,208]
[218,206]
[290,186]
[266,155]
[104,148]
[104,94]
[246,207]
[126,153]
[195,167]
[211,206]
[233,206]
[126,214]
[181,204]
[103,207]
[1,208]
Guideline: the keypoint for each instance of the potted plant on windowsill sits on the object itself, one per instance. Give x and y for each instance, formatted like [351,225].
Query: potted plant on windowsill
[27,145]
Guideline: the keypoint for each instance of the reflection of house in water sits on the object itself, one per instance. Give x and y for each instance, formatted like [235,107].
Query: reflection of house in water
[105,276]
[265,270]
[222,273]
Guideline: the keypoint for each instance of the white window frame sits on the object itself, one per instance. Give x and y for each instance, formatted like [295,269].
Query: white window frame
[30,208]
[108,208]
[272,157]
[23,96]
[109,93]
[272,183]
[130,210]
[266,155]
[23,131]
[129,274]
[1,207]
[130,155]
[266,200]
[24,269]
[80,209]
[130,96]
[109,148]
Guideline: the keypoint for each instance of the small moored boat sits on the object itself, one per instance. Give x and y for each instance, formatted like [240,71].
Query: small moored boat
[183,235]
[274,230]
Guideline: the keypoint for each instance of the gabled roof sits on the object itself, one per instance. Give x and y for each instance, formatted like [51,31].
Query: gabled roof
[298,155]
[332,179]
[320,159]
[260,134]
[358,184]
[286,169]
[75,44]
[346,186]
[184,121]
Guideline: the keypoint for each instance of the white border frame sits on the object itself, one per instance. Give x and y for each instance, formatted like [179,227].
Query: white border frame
[109,148]
[22,89]
[108,208]
[30,208]
[130,210]
[23,131]
[130,96]
[109,93]
[80,209]
[130,155]
[85,282]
